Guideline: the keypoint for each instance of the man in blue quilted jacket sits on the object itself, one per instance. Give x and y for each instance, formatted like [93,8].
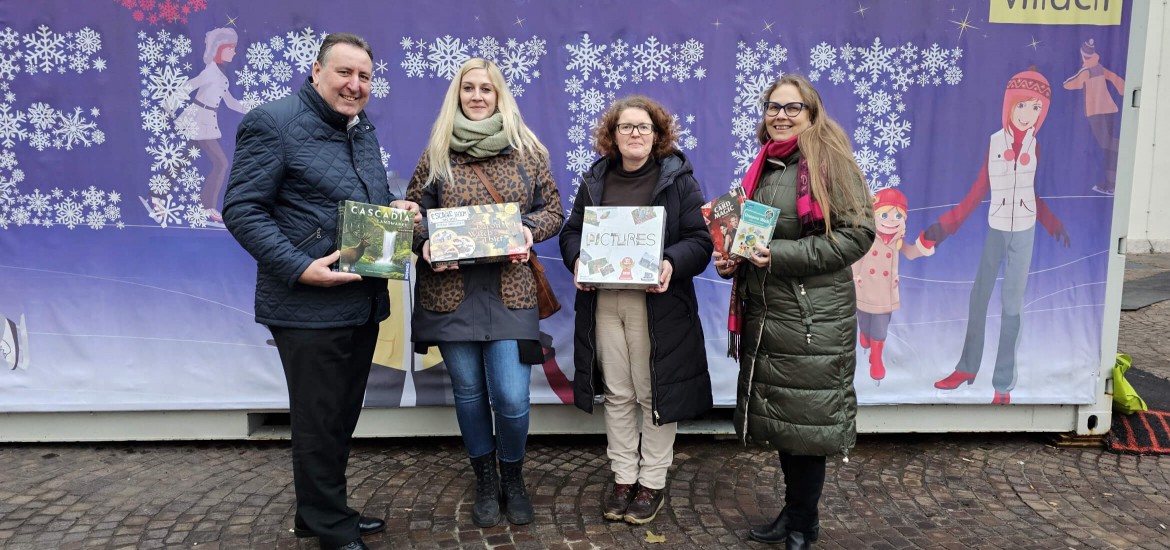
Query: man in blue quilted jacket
[296,159]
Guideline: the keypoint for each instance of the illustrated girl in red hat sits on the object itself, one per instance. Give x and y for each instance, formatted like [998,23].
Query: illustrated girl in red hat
[1007,178]
[875,276]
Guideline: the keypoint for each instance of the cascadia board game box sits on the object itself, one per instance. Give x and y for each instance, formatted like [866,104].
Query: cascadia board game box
[482,233]
[621,246]
[756,223]
[722,218]
[374,240]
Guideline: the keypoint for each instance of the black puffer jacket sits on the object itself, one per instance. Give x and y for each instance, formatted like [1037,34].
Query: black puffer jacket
[295,161]
[681,383]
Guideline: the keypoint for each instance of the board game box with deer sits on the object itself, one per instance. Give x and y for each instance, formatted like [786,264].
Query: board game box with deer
[374,240]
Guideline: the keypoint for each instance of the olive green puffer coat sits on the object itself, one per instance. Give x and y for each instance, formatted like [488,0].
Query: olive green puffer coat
[797,353]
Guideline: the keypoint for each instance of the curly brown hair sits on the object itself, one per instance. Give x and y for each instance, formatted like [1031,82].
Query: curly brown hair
[605,134]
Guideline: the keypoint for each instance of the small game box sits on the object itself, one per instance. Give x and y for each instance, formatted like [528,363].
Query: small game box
[483,233]
[756,224]
[374,240]
[621,246]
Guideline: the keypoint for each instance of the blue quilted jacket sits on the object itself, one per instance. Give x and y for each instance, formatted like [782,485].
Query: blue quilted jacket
[295,161]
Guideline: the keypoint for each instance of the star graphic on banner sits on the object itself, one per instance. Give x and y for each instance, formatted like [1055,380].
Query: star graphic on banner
[381,67]
[232,20]
[768,25]
[519,22]
[860,9]
[716,23]
[1034,43]
[965,24]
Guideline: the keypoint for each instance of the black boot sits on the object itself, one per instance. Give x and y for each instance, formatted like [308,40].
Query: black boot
[804,480]
[517,504]
[486,511]
[774,533]
[799,541]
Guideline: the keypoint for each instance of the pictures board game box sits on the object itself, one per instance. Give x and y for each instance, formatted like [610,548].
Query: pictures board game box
[722,218]
[374,240]
[477,234]
[756,223]
[621,246]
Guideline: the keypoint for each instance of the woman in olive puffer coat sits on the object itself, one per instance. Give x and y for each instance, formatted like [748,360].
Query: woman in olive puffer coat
[793,308]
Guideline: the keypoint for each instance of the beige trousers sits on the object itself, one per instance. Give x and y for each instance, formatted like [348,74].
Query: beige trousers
[623,348]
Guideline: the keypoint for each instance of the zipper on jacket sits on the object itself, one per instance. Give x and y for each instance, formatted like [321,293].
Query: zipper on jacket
[805,313]
[755,357]
[653,376]
[315,235]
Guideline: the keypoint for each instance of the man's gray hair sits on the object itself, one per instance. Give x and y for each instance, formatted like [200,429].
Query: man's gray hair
[342,38]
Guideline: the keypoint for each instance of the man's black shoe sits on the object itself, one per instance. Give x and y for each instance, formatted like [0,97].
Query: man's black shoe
[354,545]
[366,526]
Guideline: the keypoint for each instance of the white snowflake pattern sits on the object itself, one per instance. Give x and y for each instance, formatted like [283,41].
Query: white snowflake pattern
[446,55]
[74,129]
[379,87]
[585,57]
[878,75]
[598,71]
[823,56]
[580,159]
[44,49]
[69,213]
[760,64]
[11,125]
[301,48]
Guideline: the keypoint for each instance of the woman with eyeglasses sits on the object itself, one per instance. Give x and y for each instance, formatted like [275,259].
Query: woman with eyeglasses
[642,349]
[792,317]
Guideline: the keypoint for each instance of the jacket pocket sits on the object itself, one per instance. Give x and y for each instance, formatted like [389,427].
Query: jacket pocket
[440,291]
[517,286]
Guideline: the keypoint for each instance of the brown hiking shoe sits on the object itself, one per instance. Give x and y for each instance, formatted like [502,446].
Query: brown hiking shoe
[618,500]
[645,506]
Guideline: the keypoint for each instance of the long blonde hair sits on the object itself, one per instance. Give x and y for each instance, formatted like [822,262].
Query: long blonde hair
[836,181]
[519,136]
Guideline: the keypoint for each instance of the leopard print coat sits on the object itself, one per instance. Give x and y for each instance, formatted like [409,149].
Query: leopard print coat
[526,180]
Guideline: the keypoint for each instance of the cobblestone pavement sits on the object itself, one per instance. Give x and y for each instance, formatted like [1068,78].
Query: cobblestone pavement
[903,491]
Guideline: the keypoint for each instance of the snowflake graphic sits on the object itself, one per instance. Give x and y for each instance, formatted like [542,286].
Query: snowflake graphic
[74,129]
[301,48]
[44,50]
[580,159]
[69,213]
[586,57]
[763,61]
[878,74]
[598,71]
[446,55]
[11,126]
[823,56]
[379,87]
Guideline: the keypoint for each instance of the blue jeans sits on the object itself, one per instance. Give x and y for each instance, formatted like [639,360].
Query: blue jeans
[488,377]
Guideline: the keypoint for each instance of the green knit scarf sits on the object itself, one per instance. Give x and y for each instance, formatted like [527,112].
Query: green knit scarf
[479,138]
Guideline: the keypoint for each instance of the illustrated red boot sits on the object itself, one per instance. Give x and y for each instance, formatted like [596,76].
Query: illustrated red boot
[864,338]
[951,382]
[1002,398]
[877,369]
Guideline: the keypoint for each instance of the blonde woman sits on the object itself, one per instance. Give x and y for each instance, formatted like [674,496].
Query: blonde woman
[793,301]
[483,317]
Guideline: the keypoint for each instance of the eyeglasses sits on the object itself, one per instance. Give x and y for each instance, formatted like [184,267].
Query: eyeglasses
[771,108]
[627,129]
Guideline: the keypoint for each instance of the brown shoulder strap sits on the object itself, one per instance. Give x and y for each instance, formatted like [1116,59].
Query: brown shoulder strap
[486,183]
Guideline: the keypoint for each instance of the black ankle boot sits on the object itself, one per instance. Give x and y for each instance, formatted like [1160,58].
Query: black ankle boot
[798,540]
[517,504]
[774,533]
[486,511]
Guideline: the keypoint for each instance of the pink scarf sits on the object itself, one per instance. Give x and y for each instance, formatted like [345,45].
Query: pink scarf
[807,209]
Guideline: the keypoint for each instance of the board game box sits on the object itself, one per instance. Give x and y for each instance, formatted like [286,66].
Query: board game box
[722,218]
[621,246]
[482,233]
[374,240]
[756,224]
